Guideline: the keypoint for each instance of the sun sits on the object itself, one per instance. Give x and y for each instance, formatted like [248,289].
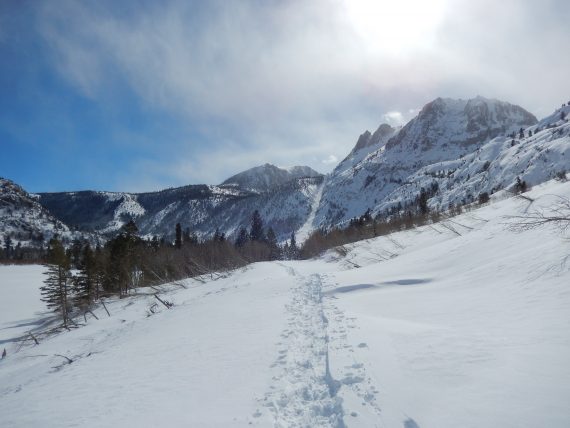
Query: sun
[395,25]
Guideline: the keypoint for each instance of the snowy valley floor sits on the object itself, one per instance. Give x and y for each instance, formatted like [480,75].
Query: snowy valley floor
[461,324]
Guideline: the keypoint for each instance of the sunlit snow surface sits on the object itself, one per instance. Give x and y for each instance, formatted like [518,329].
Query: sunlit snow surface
[424,328]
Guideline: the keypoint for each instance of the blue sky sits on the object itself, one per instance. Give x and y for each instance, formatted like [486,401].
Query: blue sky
[142,95]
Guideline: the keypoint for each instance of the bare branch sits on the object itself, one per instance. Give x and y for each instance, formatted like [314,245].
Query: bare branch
[559,214]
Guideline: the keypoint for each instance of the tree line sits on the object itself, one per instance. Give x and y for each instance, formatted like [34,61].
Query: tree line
[78,277]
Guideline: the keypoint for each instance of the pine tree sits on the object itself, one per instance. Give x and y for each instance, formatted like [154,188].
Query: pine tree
[8,247]
[18,252]
[178,240]
[75,253]
[293,250]
[256,233]
[272,243]
[85,281]
[55,291]
[242,238]
[123,270]
[423,201]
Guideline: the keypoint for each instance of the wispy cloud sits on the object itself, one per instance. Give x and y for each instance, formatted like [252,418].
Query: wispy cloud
[394,118]
[291,82]
[330,160]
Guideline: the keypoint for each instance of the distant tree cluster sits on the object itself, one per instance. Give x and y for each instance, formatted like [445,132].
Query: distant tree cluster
[259,244]
[12,250]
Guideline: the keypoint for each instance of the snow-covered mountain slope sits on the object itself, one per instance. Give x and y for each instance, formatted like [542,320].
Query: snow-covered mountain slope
[444,130]
[201,208]
[25,221]
[266,177]
[155,212]
[90,210]
[285,208]
[496,165]
[456,148]
[458,324]
[367,143]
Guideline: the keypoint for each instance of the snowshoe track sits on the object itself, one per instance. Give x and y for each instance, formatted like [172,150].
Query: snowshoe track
[304,392]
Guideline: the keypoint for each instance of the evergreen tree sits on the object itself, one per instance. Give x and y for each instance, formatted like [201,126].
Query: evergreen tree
[293,250]
[178,240]
[130,229]
[123,270]
[242,238]
[18,252]
[75,253]
[8,247]
[256,232]
[272,243]
[55,291]
[85,281]
[423,201]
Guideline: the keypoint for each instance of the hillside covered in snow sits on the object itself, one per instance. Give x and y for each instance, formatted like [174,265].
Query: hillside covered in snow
[267,177]
[25,223]
[389,169]
[455,150]
[285,206]
[460,323]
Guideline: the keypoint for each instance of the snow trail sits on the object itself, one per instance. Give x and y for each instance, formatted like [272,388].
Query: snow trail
[305,230]
[304,391]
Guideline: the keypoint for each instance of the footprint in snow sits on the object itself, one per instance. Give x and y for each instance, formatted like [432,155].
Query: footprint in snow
[410,423]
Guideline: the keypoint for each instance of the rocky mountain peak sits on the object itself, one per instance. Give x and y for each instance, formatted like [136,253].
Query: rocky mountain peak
[455,122]
[266,177]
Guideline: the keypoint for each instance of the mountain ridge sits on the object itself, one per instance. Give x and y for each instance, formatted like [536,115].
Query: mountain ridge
[459,148]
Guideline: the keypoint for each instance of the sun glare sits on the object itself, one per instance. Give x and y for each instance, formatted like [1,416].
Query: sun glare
[395,25]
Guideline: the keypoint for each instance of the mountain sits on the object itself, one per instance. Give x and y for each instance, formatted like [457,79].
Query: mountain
[25,223]
[266,177]
[201,208]
[444,130]
[454,149]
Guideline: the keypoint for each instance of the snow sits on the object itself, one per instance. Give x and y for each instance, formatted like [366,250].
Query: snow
[386,173]
[422,328]
[306,229]
[24,220]
[20,305]
[267,177]
[128,208]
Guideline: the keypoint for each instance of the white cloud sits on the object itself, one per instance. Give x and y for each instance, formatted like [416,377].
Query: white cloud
[394,118]
[277,78]
[331,159]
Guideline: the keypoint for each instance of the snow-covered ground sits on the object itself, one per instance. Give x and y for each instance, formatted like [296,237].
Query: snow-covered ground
[459,324]
[20,306]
